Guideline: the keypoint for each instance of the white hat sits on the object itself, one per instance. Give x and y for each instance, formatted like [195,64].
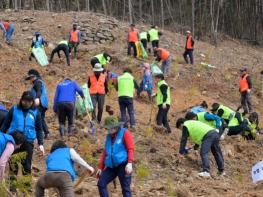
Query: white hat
[98,67]
[188,32]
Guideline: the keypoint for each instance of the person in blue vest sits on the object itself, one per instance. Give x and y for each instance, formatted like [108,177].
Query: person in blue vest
[117,158]
[37,42]
[64,104]
[8,143]
[60,172]
[3,113]
[26,119]
[147,81]
[8,30]
[39,92]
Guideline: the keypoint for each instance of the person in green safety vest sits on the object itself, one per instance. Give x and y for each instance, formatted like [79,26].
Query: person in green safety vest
[62,46]
[253,125]
[153,37]
[163,101]
[144,38]
[205,136]
[126,85]
[102,58]
[222,111]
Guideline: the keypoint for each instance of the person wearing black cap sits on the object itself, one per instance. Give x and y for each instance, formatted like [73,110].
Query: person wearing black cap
[39,93]
[245,86]
[26,119]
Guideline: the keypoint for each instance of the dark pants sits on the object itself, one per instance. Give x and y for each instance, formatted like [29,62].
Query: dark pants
[144,43]
[100,100]
[130,46]
[74,45]
[188,52]
[66,110]
[155,44]
[162,119]
[109,174]
[127,103]
[94,61]
[61,47]
[60,180]
[27,147]
[3,114]
[42,111]
[246,102]
[211,142]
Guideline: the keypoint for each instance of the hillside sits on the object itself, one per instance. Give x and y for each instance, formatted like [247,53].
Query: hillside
[158,169]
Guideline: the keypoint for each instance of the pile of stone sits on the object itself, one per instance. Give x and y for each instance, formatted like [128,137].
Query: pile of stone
[28,19]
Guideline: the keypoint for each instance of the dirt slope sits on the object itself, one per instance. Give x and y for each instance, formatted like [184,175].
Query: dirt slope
[158,169]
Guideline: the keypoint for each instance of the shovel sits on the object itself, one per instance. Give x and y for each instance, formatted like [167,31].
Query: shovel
[81,179]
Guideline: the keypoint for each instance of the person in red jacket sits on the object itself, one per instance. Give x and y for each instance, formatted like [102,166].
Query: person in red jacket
[133,37]
[117,158]
[189,48]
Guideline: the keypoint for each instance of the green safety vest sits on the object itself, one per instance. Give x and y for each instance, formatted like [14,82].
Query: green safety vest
[126,85]
[201,118]
[159,97]
[197,130]
[153,35]
[63,42]
[228,113]
[143,35]
[234,122]
[101,59]
[253,129]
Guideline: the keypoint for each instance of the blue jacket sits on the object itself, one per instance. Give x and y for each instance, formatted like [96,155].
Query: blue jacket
[212,117]
[38,42]
[27,122]
[3,108]
[4,139]
[197,109]
[42,92]
[147,82]
[60,160]
[66,92]
[116,153]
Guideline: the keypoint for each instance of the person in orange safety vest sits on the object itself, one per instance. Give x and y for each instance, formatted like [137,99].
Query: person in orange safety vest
[98,87]
[74,39]
[189,48]
[133,37]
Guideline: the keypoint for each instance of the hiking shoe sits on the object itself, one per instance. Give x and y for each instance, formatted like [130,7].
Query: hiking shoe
[221,173]
[204,174]
[46,136]
[224,134]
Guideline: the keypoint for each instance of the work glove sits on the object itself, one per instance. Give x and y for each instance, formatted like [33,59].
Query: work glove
[217,130]
[41,148]
[128,168]
[164,105]
[37,102]
[153,95]
[249,90]
[98,173]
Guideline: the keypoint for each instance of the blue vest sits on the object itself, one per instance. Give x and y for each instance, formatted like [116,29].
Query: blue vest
[4,138]
[24,124]
[3,108]
[38,42]
[116,153]
[147,82]
[60,160]
[197,109]
[44,96]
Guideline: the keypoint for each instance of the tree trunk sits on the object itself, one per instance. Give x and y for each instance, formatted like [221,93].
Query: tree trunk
[140,9]
[87,5]
[152,8]
[124,10]
[162,14]
[47,4]
[16,4]
[104,7]
[130,11]
[193,18]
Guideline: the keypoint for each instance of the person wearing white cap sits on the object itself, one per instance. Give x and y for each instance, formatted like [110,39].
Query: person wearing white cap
[189,48]
[98,87]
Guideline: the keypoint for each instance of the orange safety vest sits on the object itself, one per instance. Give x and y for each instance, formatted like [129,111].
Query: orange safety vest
[243,84]
[97,86]
[133,36]
[164,54]
[189,43]
[74,36]
[6,25]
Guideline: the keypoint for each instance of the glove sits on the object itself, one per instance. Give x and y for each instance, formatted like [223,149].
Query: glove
[196,152]
[41,148]
[164,105]
[98,173]
[217,130]
[128,168]
[249,90]
[37,102]
[153,95]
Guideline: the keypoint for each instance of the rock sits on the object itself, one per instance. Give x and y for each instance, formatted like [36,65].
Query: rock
[102,41]
[29,38]
[204,92]
[26,28]
[59,26]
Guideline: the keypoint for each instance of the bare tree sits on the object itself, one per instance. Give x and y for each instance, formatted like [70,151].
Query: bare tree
[130,11]
[104,7]
[193,18]
[47,4]
[87,5]
[152,8]
[162,14]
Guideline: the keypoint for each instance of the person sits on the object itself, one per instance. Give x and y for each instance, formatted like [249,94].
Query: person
[64,104]
[37,42]
[117,158]
[8,143]
[200,108]
[26,119]
[164,56]
[153,37]
[245,86]
[189,48]
[40,95]
[62,46]
[98,87]
[205,136]
[8,30]
[126,84]
[144,39]
[223,112]
[253,126]
[103,59]
[163,100]
[133,37]
[3,113]
[74,40]
[60,172]
[147,81]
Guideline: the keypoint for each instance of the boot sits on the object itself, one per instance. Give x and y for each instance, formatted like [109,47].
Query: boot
[62,130]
